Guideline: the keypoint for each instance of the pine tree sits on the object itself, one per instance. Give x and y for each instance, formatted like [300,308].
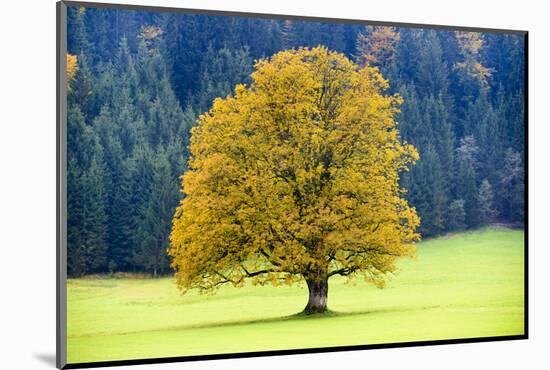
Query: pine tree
[427,192]
[77,39]
[442,136]
[224,69]
[288,39]
[82,89]
[76,261]
[86,218]
[456,215]
[484,123]
[116,166]
[157,214]
[488,213]
[410,117]
[184,55]
[95,225]
[465,182]
[512,181]
[407,57]
[504,55]
[432,75]
[137,184]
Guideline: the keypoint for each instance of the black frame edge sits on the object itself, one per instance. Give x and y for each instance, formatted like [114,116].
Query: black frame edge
[163,360]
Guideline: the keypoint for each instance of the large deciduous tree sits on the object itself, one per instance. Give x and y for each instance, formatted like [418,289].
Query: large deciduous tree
[296,177]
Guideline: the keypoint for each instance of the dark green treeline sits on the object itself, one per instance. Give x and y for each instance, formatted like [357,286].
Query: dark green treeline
[144,77]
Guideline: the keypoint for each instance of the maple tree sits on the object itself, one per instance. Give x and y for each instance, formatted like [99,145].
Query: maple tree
[295,177]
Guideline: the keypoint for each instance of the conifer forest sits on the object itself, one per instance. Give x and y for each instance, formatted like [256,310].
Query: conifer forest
[139,81]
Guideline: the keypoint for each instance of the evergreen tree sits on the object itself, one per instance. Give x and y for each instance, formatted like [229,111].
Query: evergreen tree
[288,39]
[131,72]
[82,89]
[116,168]
[410,117]
[223,70]
[427,193]
[438,118]
[95,225]
[86,218]
[407,57]
[136,184]
[157,214]
[512,181]
[76,261]
[488,213]
[432,76]
[484,123]
[456,215]
[77,39]
[465,182]
[504,55]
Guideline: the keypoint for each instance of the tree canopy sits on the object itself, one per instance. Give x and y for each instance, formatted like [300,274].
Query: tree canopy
[296,177]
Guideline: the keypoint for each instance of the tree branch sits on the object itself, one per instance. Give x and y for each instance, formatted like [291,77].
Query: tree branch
[256,273]
[343,271]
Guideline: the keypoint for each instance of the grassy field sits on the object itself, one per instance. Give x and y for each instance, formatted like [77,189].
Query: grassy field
[459,286]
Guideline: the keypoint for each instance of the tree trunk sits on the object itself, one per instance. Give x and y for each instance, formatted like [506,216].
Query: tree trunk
[318,291]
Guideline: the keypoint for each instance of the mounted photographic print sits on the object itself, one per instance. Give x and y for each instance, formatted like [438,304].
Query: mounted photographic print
[234,184]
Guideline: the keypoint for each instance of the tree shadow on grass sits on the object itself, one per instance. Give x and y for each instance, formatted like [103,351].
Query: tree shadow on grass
[301,316]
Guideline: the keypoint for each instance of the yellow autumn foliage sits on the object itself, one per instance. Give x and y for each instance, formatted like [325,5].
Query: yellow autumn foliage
[377,45]
[295,176]
[72,67]
[149,33]
[469,45]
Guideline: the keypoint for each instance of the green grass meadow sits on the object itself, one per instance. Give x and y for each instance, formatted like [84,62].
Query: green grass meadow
[459,286]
